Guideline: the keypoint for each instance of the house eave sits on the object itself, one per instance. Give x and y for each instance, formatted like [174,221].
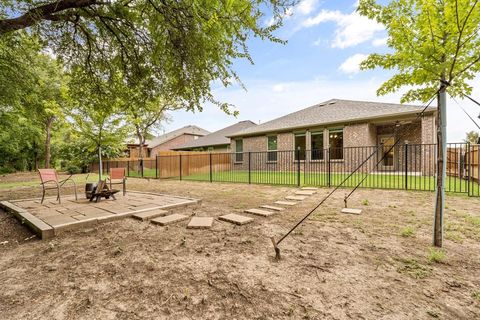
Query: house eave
[325,124]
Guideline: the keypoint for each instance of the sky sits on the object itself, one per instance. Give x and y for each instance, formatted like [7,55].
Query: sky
[326,41]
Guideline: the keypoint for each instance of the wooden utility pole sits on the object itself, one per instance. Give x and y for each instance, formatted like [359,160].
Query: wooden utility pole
[441,166]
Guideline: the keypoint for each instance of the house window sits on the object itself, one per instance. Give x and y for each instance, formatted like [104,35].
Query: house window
[317,145]
[272,148]
[300,144]
[336,144]
[239,150]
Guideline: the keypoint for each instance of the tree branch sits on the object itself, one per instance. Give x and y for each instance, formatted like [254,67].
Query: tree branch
[45,12]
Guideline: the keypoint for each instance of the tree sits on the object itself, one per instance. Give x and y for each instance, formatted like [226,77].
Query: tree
[472,137]
[434,47]
[188,43]
[16,78]
[48,98]
[97,117]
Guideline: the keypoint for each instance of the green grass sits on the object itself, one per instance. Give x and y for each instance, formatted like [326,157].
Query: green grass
[79,179]
[436,256]
[407,232]
[380,181]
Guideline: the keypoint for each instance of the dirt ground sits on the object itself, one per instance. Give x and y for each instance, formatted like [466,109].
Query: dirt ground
[377,265]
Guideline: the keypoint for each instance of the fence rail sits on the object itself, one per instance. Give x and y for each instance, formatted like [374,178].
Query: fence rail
[408,167]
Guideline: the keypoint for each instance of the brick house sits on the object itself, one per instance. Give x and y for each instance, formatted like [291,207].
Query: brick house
[167,141]
[216,141]
[344,132]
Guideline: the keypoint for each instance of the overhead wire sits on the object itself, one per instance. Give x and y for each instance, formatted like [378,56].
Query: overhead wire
[276,243]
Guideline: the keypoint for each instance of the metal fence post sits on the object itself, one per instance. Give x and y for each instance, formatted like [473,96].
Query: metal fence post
[406,166]
[250,167]
[211,177]
[180,157]
[329,168]
[156,167]
[468,161]
[298,167]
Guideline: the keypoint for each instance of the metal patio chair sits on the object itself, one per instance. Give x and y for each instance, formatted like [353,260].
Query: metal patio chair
[119,175]
[50,177]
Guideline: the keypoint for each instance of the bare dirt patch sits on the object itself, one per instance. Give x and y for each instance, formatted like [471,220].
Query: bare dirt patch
[336,266]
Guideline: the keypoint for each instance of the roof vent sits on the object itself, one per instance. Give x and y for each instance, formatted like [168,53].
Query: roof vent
[321,104]
[332,102]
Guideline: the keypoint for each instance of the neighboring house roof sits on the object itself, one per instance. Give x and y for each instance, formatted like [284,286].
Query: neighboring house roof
[334,111]
[218,137]
[190,129]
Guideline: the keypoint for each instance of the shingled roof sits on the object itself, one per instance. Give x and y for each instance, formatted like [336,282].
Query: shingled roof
[217,138]
[331,112]
[190,129]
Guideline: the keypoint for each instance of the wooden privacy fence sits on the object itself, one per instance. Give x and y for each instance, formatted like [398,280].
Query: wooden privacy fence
[463,161]
[178,164]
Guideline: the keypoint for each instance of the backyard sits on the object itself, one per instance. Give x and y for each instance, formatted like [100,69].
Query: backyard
[379,264]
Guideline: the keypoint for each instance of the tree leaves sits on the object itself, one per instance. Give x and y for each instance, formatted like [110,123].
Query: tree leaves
[430,40]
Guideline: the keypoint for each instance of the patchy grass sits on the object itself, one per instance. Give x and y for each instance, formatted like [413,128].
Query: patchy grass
[413,268]
[476,295]
[436,255]
[365,202]
[407,232]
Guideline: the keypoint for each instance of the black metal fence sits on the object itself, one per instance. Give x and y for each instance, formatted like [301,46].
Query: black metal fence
[408,167]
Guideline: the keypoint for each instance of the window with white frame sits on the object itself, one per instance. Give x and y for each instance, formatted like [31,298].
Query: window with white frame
[239,150]
[336,144]
[300,146]
[316,145]
[272,148]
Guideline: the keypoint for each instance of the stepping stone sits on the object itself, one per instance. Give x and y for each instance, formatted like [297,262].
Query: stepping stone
[309,188]
[236,219]
[147,215]
[272,208]
[305,192]
[351,211]
[200,223]
[297,198]
[286,203]
[259,212]
[163,221]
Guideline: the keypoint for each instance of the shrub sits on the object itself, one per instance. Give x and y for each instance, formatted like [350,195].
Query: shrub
[365,202]
[72,169]
[5,170]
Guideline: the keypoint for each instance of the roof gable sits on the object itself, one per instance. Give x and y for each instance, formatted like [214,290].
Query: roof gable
[217,138]
[190,129]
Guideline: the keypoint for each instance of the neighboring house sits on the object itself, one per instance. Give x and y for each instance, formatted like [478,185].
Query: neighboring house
[333,130]
[216,141]
[167,141]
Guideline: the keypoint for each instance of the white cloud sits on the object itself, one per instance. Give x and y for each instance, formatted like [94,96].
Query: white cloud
[278,87]
[352,64]
[352,29]
[303,8]
[379,42]
[306,6]
[258,103]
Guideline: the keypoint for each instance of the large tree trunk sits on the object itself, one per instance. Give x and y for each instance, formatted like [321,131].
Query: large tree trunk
[141,143]
[48,128]
[441,167]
